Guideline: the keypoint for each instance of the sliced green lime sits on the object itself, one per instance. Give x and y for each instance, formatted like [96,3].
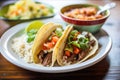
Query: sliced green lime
[34,25]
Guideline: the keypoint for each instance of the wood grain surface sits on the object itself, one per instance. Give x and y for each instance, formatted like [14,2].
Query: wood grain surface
[107,69]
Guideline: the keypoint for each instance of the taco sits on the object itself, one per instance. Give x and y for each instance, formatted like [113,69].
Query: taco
[75,47]
[44,43]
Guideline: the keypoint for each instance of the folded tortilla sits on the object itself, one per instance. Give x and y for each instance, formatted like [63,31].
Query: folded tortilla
[61,45]
[41,36]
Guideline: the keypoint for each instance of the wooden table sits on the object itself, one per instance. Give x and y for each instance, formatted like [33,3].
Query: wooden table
[107,69]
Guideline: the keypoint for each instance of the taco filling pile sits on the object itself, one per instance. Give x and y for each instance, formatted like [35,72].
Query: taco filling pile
[45,55]
[78,45]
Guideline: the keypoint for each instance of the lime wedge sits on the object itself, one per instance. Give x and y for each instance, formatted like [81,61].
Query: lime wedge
[34,25]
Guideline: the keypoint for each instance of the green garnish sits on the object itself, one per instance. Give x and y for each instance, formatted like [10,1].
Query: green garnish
[80,42]
[31,35]
[83,45]
[30,38]
[73,32]
[84,40]
[69,49]
[75,43]
[72,35]
[70,38]
[33,31]
[58,32]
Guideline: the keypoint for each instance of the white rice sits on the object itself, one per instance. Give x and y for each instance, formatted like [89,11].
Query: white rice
[22,48]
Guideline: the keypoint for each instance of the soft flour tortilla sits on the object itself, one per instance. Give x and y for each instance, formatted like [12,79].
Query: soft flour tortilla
[41,36]
[61,44]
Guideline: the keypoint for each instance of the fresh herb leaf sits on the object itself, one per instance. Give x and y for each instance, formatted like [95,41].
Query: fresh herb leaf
[31,35]
[70,38]
[83,45]
[69,49]
[84,40]
[58,33]
[30,38]
[33,31]
[75,43]
[73,32]
[80,42]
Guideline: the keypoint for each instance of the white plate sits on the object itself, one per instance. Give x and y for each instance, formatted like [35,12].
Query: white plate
[104,40]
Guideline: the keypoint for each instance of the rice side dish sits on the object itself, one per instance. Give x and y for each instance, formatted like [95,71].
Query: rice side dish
[22,48]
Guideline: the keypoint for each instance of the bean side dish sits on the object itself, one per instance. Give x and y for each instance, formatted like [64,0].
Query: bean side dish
[87,13]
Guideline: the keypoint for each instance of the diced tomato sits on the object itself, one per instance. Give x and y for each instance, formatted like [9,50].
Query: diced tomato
[67,53]
[76,50]
[55,39]
[49,45]
[44,47]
